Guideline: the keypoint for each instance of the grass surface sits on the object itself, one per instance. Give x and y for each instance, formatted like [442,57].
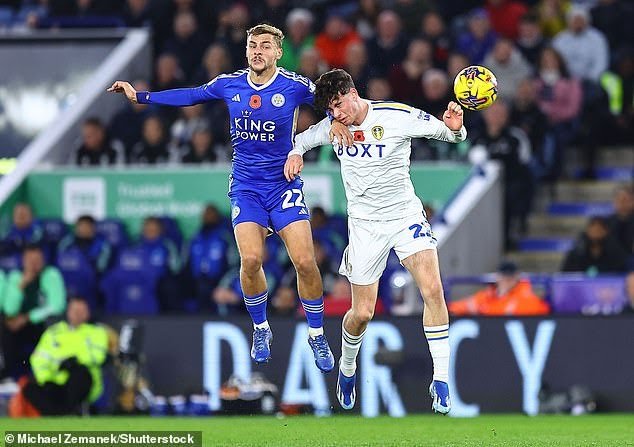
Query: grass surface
[436,431]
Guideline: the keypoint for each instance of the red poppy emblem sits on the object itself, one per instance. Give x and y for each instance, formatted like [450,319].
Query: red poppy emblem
[255,102]
[358,135]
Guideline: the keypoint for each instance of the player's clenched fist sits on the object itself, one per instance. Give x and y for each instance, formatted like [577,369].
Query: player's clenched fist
[453,116]
[125,88]
[293,166]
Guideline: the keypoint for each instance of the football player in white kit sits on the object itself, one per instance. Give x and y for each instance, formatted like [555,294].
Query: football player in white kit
[383,213]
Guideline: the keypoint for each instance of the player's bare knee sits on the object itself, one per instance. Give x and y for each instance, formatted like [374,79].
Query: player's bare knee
[364,315]
[251,263]
[306,266]
[433,293]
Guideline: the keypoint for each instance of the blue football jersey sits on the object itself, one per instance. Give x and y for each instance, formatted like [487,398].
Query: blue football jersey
[263,119]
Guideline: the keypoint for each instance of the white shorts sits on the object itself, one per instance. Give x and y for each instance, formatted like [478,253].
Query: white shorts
[365,258]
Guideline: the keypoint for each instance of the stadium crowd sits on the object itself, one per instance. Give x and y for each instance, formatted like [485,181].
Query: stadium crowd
[565,70]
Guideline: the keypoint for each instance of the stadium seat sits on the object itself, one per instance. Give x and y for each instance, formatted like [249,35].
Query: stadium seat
[114,231]
[54,231]
[172,231]
[10,262]
[129,288]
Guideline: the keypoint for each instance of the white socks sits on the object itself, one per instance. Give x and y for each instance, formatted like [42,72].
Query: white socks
[263,325]
[315,331]
[438,340]
[350,345]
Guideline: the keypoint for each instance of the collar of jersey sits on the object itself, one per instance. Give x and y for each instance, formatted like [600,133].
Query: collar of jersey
[367,116]
[263,86]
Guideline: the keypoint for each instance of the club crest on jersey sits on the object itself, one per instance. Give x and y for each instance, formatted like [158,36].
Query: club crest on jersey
[255,102]
[278,100]
[358,135]
[377,132]
[234,212]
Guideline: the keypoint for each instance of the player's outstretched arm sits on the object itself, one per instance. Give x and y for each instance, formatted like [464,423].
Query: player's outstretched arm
[453,116]
[125,88]
[174,97]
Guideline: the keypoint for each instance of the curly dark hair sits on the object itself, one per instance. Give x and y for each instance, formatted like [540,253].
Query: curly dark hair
[330,85]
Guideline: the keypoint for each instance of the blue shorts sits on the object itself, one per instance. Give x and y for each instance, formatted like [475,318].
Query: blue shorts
[272,205]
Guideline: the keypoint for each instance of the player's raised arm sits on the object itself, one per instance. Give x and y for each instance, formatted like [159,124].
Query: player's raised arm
[174,97]
[422,124]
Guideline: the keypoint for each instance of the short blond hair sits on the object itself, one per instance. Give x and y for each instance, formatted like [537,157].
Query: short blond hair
[264,28]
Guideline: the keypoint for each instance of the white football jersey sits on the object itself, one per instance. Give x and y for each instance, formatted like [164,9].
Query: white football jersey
[375,170]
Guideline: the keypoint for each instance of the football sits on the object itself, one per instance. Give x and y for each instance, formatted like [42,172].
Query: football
[475,87]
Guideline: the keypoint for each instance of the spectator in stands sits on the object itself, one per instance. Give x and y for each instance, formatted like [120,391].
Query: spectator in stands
[93,246]
[356,63]
[152,148]
[136,13]
[559,97]
[127,124]
[614,19]
[405,78]
[388,47]
[365,18]
[455,63]
[621,223]
[596,251]
[510,295]
[208,257]
[298,37]
[433,30]
[306,118]
[530,39]
[526,115]
[478,39]
[191,118]
[333,41]
[273,12]
[187,43]
[233,22]
[619,86]
[310,64]
[509,66]
[511,147]
[162,261]
[24,230]
[505,16]
[31,296]
[96,149]
[216,60]
[584,48]
[436,92]
[379,89]
[67,367]
[552,15]
[168,73]
[411,13]
[201,148]
[227,297]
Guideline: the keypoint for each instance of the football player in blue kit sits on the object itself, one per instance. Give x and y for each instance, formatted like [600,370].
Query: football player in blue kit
[263,102]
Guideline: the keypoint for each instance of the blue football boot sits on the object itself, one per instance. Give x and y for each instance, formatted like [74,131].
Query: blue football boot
[439,393]
[324,359]
[261,348]
[346,391]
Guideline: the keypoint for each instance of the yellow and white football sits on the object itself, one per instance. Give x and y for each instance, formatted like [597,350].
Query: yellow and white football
[475,87]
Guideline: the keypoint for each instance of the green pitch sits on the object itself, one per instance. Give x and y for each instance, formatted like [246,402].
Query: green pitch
[434,431]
